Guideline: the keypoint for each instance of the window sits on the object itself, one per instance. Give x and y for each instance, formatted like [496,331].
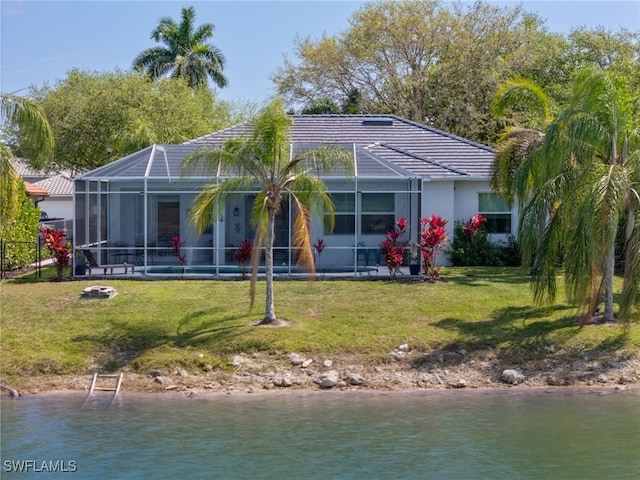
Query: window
[496,211]
[378,213]
[344,215]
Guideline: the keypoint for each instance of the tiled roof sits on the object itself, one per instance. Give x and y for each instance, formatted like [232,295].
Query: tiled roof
[25,171]
[34,190]
[384,145]
[58,186]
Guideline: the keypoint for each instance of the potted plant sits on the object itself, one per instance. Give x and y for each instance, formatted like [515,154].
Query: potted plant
[414,263]
[81,264]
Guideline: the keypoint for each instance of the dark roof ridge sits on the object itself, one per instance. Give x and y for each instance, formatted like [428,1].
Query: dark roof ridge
[423,159]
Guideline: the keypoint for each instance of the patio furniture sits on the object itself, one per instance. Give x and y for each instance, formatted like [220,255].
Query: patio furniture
[93,264]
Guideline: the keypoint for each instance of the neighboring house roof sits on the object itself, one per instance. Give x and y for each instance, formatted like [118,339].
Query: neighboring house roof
[57,186]
[384,145]
[30,174]
[35,190]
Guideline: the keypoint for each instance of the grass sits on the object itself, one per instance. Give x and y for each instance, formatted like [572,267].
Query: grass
[48,329]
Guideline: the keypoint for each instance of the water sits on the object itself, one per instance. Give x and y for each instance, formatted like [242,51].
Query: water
[505,434]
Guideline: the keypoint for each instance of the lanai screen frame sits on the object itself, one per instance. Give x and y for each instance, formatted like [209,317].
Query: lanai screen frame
[92,204]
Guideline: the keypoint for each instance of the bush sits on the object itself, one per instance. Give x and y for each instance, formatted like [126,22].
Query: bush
[509,252]
[20,236]
[471,245]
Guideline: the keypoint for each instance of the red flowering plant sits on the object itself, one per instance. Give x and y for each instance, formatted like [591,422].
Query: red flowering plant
[393,247]
[176,244]
[60,250]
[318,247]
[433,237]
[243,256]
[471,227]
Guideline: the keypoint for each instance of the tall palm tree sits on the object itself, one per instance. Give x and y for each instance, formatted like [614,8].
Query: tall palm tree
[517,143]
[18,112]
[185,54]
[265,157]
[577,184]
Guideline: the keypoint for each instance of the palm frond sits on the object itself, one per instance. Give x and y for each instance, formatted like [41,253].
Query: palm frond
[301,236]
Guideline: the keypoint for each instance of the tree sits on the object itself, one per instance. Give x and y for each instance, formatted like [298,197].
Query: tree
[185,54]
[89,111]
[265,157]
[440,63]
[21,116]
[574,188]
[526,105]
[422,60]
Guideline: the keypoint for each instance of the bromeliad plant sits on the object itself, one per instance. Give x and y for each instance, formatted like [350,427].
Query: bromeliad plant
[60,250]
[433,237]
[243,256]
[393,247]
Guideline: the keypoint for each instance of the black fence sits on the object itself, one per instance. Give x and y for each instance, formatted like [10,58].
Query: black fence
[33,257]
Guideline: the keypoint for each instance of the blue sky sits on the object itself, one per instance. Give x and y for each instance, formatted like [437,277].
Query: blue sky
[42,40]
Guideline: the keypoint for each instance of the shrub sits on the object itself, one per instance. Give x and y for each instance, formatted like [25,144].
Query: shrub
[243,256]
[20,236]
[393,247]
[432,238]
[59,248]
[471,245]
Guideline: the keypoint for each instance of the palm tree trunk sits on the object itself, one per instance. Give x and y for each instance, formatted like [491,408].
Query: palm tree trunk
[608,284]
[270,315]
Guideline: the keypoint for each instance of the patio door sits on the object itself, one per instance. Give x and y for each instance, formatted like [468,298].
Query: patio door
[168,219]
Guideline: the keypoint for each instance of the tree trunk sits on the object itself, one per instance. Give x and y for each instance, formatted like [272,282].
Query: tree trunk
[608,284]
[270,315]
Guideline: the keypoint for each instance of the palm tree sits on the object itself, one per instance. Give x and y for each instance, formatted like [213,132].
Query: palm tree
[185,54]
[517,143]
[578,184]
[265,157]
[18,112]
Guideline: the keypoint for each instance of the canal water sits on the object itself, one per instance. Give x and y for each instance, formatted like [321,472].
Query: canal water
[481,434]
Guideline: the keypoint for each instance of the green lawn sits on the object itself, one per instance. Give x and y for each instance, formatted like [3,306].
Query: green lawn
[48,328]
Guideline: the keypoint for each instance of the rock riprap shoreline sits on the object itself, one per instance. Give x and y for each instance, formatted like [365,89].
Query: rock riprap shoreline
[403,369]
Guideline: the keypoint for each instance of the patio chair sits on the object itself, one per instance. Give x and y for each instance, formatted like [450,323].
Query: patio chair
[92,264]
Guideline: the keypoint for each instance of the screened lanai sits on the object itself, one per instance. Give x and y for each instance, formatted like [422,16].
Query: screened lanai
[134,211]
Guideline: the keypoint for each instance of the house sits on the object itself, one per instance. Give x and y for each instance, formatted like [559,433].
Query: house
[129,210]
[52,193]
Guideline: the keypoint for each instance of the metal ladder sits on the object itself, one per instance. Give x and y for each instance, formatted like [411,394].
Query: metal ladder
[95,387]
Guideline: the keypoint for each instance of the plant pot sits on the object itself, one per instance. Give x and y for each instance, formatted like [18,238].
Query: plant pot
[414,269]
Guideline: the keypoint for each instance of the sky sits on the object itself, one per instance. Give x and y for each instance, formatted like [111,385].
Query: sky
[40,41]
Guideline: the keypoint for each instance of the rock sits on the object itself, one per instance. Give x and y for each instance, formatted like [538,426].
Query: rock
[460,383]
[602,379]
[284,381]
[354,379]
[550,349]
[181,372]
[237,361]
[296,359]
[462,352]
[306,363]
[396,354]
[404,347]
[327,363]
[208,368]
[155,373]
[512,377]
[163,380]
[328,380]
